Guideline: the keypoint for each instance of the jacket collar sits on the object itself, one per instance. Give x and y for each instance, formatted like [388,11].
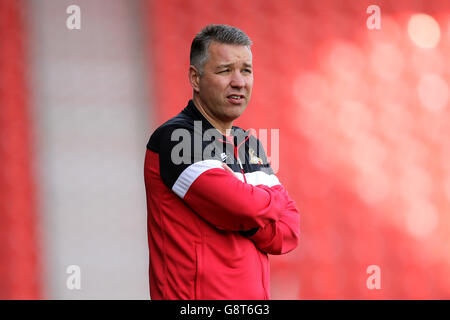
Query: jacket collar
[192,111]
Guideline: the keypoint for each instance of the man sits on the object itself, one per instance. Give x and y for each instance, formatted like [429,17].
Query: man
[215,208]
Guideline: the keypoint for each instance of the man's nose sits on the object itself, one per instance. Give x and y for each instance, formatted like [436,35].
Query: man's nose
[237,80]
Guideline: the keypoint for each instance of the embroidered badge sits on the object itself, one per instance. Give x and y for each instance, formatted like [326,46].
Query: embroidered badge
[253,158]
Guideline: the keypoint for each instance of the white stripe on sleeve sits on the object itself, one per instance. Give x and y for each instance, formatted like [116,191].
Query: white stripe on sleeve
[191,173]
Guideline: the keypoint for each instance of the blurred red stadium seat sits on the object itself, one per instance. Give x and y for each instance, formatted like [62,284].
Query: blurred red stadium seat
[363,160]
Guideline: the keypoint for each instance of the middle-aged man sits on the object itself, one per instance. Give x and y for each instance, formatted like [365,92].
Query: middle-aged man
[215,208]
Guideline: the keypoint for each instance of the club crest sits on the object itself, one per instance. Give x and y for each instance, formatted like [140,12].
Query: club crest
[253,158]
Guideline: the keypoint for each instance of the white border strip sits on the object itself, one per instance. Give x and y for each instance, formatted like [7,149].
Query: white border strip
[191,173]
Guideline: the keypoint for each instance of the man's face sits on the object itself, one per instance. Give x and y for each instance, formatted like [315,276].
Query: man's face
[226,84]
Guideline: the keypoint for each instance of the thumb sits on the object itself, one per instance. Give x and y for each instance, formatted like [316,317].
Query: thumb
[227,168]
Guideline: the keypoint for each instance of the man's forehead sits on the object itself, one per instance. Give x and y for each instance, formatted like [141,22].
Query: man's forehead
[221,53]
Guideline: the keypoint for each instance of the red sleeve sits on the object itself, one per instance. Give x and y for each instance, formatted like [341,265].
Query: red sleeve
[228,203]
[281,236]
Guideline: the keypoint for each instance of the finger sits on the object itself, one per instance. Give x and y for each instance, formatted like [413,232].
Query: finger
[227,168]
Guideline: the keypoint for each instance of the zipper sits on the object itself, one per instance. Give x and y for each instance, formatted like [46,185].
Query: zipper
[261,264]
[236,153]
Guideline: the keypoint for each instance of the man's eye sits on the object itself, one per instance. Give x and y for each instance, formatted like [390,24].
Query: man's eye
[223,71]
[248,70]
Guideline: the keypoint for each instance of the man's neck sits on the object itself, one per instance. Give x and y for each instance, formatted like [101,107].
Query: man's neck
[219,125]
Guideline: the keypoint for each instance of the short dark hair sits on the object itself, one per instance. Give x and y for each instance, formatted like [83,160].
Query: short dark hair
[215,32]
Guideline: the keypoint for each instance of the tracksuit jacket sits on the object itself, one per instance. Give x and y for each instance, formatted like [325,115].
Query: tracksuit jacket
[210,231]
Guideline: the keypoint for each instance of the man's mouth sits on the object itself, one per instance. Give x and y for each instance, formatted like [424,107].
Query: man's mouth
[236,98]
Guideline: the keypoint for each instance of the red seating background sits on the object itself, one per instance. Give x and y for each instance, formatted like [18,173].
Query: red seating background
[19,265]
[366,163]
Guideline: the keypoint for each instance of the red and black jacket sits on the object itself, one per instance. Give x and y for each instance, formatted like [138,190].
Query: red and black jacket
[209,231]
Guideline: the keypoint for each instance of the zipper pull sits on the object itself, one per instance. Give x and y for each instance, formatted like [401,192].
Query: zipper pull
[240,163]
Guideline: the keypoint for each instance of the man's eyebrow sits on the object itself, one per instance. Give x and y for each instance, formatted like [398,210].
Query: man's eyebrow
[224,65]
[247,65]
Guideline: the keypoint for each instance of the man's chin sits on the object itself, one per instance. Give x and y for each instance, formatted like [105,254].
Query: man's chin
[232,115]
[236,108]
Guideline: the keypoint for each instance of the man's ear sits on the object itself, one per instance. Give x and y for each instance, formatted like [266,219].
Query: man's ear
[194,78]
